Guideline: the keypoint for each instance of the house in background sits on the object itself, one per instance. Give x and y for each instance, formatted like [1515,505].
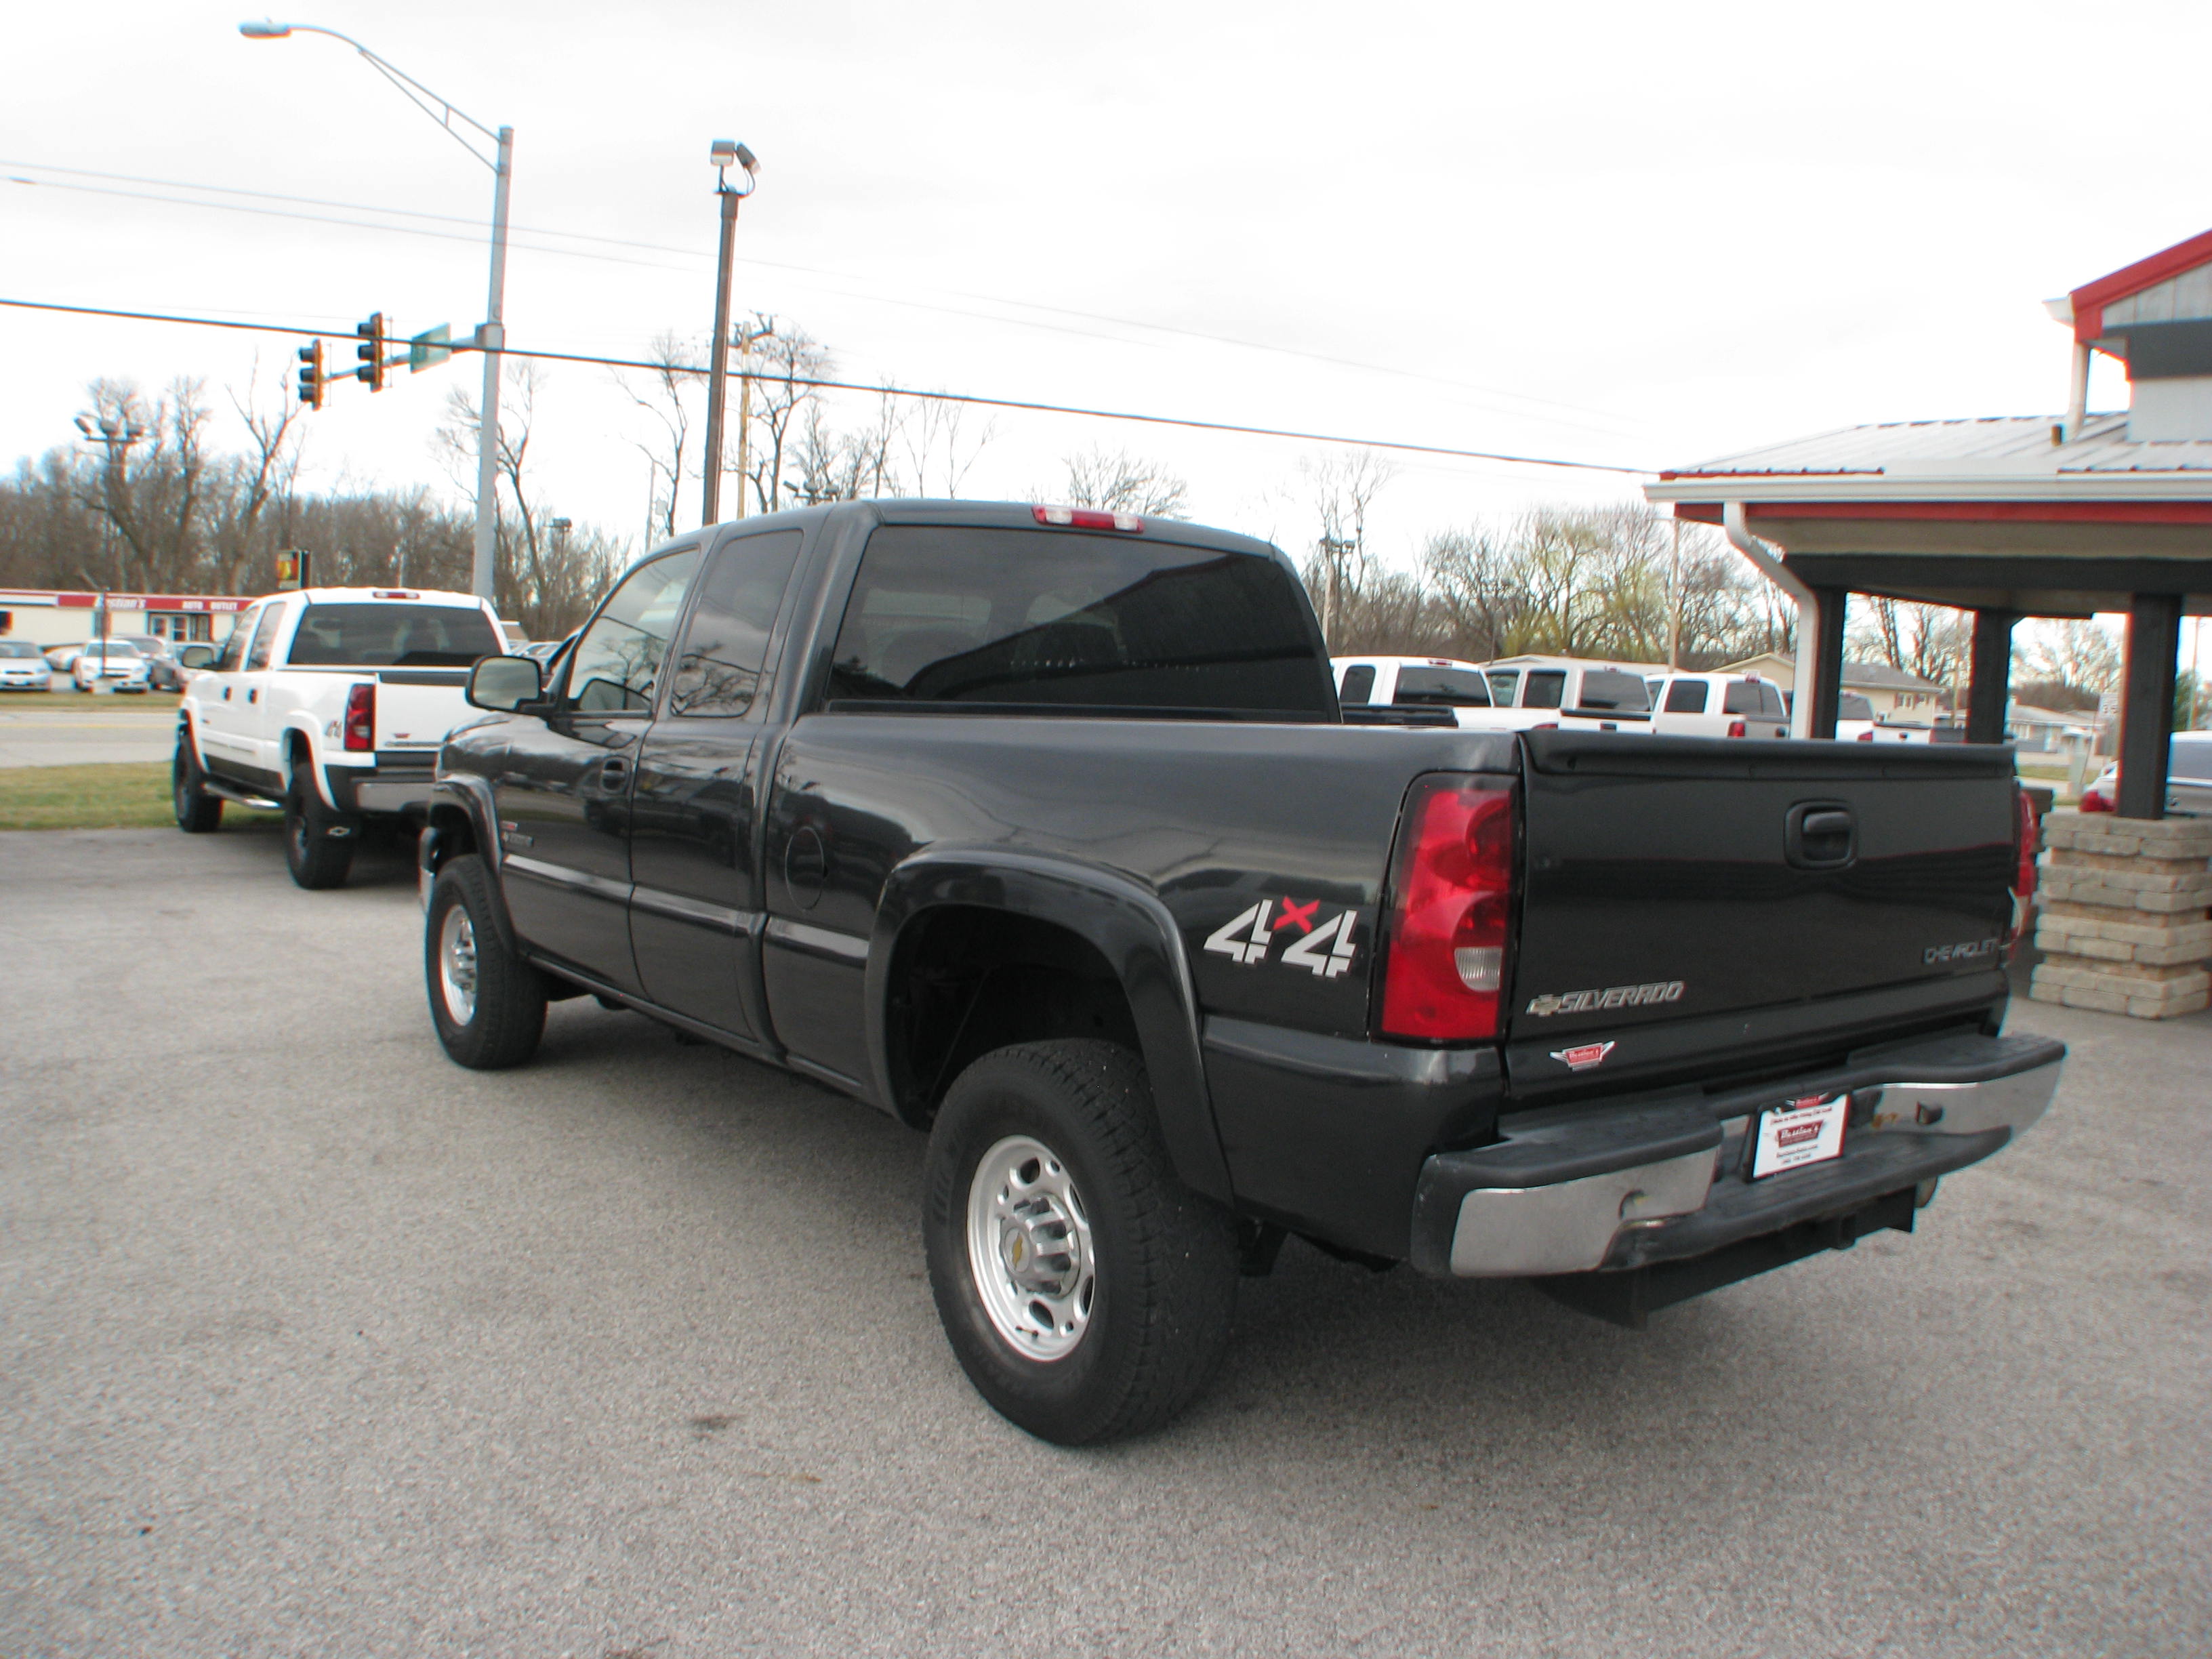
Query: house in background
[1896,695]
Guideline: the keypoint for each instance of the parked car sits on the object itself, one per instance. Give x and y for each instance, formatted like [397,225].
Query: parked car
[1856,723]
[1039,831]
[1572,687]
[1693,705]
[115,664]
[1395,690]
[22,668]
[162,671]
[2188,779]
[63,658]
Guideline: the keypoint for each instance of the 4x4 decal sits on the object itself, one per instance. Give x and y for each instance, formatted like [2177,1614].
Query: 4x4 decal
[1324,949]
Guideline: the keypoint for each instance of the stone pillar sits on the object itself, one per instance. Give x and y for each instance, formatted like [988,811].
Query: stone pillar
[2122,915]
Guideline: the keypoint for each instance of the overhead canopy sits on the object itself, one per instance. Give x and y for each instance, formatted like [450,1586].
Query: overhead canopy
[1983,514]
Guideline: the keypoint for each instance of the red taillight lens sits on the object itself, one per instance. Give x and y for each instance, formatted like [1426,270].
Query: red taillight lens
[1866,736]
[361,717]
[1737,728]
[2093,801]
[1452,912]
[2023,873]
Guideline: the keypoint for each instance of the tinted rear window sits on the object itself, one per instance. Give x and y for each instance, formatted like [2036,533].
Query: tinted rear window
[1686,697]
[1608,688]
[1359,682]
[1449,688]
[1851,706]
[2189,761]
[1753,697]
[391,636]
[961,614]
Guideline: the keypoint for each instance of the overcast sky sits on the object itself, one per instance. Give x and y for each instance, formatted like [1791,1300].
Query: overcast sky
[1636,234]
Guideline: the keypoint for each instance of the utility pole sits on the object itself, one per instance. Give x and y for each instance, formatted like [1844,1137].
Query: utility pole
[1333,548]
[722,153]
[747,339]
[1674,603]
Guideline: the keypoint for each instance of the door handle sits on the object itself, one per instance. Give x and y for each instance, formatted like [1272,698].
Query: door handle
[613,774]
[254,695]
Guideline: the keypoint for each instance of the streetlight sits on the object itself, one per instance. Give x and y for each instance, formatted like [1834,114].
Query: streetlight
[723,153]
[116,433]
[493,335]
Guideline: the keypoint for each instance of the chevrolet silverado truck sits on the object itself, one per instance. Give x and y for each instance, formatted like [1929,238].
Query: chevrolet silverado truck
[1040,829]
[329,702]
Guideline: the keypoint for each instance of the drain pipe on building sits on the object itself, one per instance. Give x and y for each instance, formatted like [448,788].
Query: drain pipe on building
[1808,613]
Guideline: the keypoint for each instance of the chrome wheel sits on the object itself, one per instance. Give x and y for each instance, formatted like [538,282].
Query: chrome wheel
[457,966]
[1028,1249]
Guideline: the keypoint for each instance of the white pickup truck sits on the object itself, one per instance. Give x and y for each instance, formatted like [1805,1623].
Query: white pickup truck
[330,703]
[1475,700]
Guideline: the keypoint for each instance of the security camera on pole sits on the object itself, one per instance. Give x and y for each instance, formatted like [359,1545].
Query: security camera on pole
[723,153]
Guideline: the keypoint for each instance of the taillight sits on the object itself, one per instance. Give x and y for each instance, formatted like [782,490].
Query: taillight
[1866,736]
[2023,871]
[1085,517]
[2093,801]
[361,717]
[1450,923]
[1737,728]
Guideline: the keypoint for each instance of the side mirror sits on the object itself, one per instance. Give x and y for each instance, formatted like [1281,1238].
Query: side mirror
[503,684]
[196,656]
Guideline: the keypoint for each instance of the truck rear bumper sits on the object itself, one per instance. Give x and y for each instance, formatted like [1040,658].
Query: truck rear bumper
[1617,1185]
[393,785]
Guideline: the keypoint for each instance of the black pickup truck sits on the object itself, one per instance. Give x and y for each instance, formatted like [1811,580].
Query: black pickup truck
[1041,829]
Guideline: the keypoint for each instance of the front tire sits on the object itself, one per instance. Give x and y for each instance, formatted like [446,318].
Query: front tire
[1085,1290]
[199,813]
[487,1003]
[316,859]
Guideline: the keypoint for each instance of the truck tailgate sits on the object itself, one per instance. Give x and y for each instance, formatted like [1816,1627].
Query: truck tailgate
[416,706]
[1690,882]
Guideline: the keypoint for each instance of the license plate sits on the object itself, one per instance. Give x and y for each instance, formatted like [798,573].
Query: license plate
[1808,1131]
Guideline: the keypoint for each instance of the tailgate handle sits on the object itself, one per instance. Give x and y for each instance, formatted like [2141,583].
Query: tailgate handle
[1821,834]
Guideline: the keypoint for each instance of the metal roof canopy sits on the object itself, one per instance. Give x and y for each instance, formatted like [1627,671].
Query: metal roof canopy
[2041,515]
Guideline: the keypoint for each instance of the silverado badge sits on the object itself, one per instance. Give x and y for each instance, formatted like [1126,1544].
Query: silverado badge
[1614,996]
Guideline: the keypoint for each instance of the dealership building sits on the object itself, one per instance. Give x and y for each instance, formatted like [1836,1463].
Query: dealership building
[50,616]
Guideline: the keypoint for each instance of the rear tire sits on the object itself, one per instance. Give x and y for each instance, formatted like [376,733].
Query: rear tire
[487,1003]
[1085,1290]
[316,859]
[199,813]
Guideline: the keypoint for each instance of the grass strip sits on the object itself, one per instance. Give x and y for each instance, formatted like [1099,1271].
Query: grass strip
[132,795]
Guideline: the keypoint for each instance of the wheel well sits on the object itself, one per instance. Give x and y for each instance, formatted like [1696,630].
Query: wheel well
[967,980]
[456,834]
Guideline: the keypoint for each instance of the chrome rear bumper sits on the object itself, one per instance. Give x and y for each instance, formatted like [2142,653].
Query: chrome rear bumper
[1621,1185]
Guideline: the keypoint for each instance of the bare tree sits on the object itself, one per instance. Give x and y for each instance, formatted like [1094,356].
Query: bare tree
[666,393]
[266,473]
[781,365]
[850,465]
[1343,488]
[1930,642]
[1118,482]
[940,448]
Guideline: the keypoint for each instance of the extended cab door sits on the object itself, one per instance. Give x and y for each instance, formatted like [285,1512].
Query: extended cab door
[562,792]
[229,696]
[696,902]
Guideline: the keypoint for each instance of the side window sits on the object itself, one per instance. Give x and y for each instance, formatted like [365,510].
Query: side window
[1686,697]
[616,663]
[1359,684]
[1547,688]
[1503,683]
[719,669]
[233,645]
[264,638]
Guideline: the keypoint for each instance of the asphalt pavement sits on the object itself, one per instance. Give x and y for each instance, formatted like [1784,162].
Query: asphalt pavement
[118,726]
[311,1342]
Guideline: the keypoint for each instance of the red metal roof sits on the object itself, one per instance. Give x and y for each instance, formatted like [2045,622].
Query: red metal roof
[2091,298]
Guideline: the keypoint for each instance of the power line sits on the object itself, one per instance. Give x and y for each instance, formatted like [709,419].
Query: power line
[696,258]
[976,399]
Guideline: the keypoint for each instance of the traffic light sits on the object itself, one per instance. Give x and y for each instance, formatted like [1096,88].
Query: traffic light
[371,352]
[311,375]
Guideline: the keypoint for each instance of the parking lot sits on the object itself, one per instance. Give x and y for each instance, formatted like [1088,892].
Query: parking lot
[314,1342]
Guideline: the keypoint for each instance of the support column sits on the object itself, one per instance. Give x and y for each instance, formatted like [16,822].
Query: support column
[1989,686]
[2120,915]
[2147,703]
[1828,661]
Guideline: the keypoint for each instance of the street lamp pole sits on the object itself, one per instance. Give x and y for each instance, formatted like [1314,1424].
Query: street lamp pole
[722,153]
[492,337]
